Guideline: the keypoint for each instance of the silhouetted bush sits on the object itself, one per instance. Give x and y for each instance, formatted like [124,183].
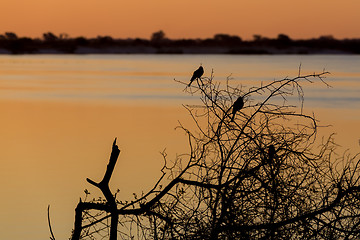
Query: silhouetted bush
[263,176]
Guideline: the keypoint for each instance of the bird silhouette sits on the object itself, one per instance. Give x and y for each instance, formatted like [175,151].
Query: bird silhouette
[271,153]
[238,105]
[197,74]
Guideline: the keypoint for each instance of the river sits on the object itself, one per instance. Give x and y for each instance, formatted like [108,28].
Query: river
[60,114]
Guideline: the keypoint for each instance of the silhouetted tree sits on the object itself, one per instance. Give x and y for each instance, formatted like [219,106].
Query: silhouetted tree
[227,39]
[158,36]
[11,36]
[260,177]
[18,45]
[50,37]
[284,39]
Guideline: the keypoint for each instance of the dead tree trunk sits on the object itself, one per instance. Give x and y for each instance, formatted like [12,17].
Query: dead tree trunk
[110,205]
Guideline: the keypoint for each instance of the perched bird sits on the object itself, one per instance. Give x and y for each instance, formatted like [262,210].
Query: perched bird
[238,105]
[197,74]
[271,153]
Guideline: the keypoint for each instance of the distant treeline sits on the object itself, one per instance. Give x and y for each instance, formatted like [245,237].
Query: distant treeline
[10,43]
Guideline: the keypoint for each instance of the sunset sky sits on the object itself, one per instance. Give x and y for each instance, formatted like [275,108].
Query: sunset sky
[182,19]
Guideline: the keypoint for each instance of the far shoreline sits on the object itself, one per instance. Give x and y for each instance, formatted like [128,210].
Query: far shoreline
[10,43]
[183,51]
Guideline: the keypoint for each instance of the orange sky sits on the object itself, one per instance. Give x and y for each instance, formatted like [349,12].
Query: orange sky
[185,18]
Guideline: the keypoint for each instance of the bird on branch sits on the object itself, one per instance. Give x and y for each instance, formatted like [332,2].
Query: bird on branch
[237,106]
[271,153]
[197,74]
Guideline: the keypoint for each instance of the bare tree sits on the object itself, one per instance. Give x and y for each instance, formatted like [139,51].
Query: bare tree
[262,176]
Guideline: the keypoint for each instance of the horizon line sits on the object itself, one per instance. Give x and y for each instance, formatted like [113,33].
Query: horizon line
[64,36]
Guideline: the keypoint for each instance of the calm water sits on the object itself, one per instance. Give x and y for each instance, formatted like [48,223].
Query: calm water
[60,114]
[139,78]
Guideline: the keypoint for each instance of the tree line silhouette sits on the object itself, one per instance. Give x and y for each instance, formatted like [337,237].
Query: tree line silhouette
[159,43]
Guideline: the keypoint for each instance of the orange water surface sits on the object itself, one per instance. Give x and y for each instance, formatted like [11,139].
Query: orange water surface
[60,115]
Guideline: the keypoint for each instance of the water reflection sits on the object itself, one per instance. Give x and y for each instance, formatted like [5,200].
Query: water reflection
[118,78]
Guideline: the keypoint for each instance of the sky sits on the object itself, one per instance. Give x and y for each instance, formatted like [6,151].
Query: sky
[182,19]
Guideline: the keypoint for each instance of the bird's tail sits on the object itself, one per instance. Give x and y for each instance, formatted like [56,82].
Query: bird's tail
[233,117]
